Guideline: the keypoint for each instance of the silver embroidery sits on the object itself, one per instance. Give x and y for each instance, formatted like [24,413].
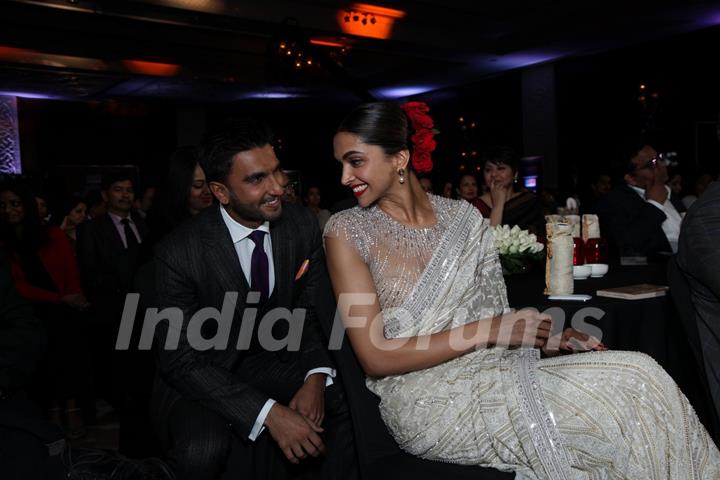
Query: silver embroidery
[608,415]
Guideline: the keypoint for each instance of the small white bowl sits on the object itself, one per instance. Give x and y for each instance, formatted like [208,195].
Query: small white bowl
[598,269]
[581,272]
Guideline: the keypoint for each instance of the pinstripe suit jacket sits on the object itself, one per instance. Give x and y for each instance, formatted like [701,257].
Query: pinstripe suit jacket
[195,266]
[699,260]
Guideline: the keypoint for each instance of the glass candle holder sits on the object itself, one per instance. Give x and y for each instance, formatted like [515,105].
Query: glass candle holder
[578,251]
[596,250]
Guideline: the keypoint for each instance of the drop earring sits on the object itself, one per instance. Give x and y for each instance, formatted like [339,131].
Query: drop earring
[401,174]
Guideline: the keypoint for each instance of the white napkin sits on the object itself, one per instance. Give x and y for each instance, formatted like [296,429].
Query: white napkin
[591,227]
[559,263]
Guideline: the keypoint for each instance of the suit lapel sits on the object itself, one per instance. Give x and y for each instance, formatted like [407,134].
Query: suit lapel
[112,234]
[222,254]
[283,260]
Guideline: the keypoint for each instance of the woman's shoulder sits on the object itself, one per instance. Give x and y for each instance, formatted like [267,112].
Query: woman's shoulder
[346,223]
[522,197]
[451,209]
[55,235]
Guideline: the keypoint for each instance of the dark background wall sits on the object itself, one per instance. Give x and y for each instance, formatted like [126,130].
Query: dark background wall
[598,101]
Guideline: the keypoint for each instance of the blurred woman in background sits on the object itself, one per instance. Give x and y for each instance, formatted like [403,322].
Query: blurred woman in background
[46,274]
[504,202]
[183,194]
[70,215]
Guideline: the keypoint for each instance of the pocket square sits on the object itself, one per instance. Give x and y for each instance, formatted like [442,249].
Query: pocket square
[303,269]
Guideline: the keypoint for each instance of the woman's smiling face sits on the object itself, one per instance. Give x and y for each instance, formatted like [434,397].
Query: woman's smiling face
[366,169]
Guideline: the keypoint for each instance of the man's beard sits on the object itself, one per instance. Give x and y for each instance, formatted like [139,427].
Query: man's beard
[246,213]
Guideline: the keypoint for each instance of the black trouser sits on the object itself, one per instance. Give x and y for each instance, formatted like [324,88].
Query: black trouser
[200,441]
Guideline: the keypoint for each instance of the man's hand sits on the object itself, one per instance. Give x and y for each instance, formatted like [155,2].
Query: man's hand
[309,400]
[296,436]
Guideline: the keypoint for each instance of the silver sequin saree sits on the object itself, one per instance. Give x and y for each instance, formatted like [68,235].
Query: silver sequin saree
[600,415]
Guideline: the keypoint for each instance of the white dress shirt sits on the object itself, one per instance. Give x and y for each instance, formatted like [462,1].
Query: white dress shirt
[240,235]
[117,221]
[671,225]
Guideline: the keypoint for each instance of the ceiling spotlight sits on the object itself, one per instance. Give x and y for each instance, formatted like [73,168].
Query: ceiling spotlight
[372,20]
[282,45]
[364,21]
[298,64]
[347,18]
[356,18]
[309,61]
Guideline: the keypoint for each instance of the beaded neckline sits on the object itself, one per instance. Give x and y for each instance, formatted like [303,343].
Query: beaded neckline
[435,208]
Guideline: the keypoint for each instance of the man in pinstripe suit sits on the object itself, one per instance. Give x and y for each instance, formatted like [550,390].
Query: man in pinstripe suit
[699,259]
[271,254]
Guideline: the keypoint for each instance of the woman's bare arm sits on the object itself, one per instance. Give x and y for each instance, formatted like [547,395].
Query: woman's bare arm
[380,356]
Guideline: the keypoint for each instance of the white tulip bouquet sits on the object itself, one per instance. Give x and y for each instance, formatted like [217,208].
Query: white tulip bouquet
[517,248]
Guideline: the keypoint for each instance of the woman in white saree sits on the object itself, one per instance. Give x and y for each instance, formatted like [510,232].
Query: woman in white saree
[459,375]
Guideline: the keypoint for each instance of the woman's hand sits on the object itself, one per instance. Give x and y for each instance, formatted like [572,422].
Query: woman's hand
[498,193]
[76,301]
[572,341]
[523,328]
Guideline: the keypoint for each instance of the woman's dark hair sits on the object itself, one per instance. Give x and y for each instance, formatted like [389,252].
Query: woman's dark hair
[458,180]
[237,136]
[64,207]
[34,233]
[170,206]
[502,154]
[383,124]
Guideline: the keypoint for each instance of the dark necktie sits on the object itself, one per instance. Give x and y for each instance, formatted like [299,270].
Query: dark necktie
[259,268]
[130,239]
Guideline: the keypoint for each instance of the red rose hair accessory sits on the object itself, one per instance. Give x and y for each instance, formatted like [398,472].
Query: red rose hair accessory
[422,138]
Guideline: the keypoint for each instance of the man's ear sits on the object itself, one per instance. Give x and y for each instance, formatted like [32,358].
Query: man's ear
[220,192]
[630,180]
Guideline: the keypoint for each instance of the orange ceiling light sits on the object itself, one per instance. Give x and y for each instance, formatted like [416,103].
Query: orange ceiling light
[326,43]
[377,10]
[15,54]
[365,20]
[154,69]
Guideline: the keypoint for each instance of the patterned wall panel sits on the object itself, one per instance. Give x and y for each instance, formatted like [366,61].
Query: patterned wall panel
[9,136]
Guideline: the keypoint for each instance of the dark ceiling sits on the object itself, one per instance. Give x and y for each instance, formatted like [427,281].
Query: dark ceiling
[225,50]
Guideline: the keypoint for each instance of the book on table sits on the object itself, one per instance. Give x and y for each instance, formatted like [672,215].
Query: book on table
[634,292]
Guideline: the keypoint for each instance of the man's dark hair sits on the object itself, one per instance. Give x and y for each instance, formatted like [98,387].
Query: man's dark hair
[625,151]
[115,177]
[239,135]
